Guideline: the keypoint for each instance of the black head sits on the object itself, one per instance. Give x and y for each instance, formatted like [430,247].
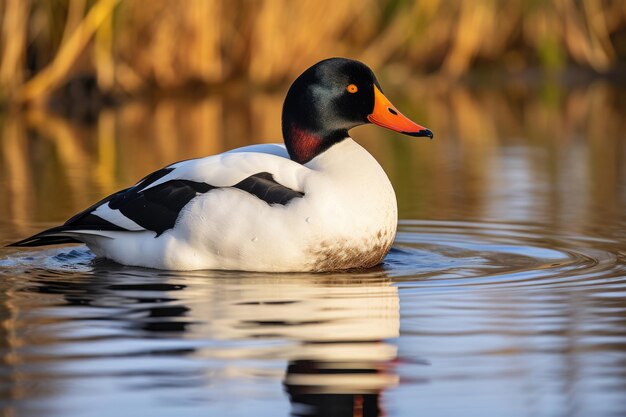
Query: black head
[332,97]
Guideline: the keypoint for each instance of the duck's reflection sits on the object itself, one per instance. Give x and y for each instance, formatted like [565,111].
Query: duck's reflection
[331,329]
[336,327]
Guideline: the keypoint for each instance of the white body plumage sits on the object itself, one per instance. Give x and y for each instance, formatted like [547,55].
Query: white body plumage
[346,219]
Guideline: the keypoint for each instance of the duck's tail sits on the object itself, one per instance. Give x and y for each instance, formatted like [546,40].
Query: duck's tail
[54,236]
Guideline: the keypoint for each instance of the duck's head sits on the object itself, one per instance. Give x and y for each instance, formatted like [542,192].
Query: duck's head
[332,97]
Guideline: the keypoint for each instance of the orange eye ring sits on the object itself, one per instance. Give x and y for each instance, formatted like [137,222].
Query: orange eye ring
[352,88]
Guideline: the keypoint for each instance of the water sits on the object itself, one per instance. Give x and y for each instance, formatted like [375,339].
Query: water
[504,294]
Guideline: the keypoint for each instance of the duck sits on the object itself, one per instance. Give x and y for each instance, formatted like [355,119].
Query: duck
[318,202]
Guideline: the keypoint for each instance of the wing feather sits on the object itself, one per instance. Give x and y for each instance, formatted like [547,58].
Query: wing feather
[156,201]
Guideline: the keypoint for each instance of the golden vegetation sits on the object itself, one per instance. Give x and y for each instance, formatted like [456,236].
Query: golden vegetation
[133,46]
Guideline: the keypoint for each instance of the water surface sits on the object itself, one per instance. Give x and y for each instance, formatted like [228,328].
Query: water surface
[504,294]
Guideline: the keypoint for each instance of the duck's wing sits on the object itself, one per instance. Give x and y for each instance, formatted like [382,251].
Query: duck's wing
[155,202]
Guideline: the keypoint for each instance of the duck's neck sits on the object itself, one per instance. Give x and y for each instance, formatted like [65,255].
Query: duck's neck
[305,144]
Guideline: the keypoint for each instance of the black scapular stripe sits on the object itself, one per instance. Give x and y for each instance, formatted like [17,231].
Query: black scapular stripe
[267,189]
[157,208]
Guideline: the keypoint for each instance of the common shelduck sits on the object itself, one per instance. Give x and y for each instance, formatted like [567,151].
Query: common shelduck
[320,202]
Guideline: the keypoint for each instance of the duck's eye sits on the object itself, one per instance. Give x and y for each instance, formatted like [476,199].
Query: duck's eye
[352,88]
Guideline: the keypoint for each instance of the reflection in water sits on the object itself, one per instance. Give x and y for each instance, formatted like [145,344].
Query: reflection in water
[501,314]
[331,329]
[548,154]
[334,328]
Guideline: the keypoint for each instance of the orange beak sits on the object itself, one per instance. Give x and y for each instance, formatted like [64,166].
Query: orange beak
[386,115]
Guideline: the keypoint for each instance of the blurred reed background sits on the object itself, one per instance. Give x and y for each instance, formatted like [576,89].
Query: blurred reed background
[561,156]
[136,84]
[135,46]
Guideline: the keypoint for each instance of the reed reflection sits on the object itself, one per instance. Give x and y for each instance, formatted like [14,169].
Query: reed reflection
[333,332]
[566,145]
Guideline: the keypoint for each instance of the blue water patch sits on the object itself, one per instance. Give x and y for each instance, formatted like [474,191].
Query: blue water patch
[68,259]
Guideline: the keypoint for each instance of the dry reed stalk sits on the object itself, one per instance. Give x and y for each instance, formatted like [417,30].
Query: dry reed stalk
[103,55]
[178,44]
[287,36]
[472,24]
[162,44]
[75,13]
[384,45]
[54,73]
[599,37]
[14,32]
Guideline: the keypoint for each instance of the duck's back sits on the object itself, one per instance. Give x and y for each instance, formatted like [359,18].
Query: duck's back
[336,212]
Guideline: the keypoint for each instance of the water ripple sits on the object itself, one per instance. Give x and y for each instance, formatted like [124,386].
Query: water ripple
[499,256]
[426,254]
[453,302]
